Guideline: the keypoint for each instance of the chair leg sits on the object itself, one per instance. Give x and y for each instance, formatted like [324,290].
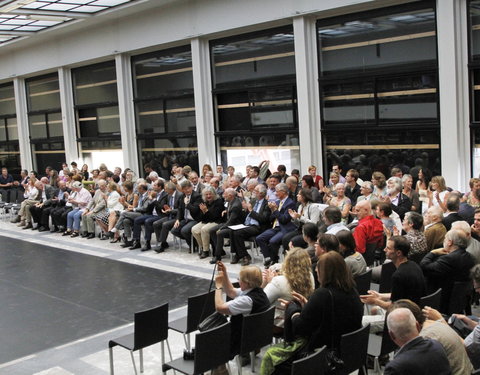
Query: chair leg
[189,347]
[238,358]
[169,351]
[133,362]
[252,361]
[110,354]
[141,360]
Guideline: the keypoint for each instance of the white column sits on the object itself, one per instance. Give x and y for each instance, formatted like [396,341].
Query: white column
[202,84]
[306,65]
[22,123]
[453,85]
[68,115]
[127,112]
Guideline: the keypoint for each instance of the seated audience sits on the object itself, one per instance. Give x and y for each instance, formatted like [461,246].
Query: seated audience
[369,229]
[434,229]
[412,225]
[332,217]
[407,183]
[347,249]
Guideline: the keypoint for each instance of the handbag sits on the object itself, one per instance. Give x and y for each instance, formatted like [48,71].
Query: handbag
[215,319]
[335,364]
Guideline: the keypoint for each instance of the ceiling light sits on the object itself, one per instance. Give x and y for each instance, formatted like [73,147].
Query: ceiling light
[15,5]
[38,17]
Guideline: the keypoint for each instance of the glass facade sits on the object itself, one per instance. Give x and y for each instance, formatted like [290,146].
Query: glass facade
[165,109]
[9,147]
[384,98]
[255,99]
[45,122]
[474,72]
[96,106]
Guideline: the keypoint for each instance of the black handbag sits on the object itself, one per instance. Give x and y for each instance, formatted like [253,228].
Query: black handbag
[215,319]
[335,364]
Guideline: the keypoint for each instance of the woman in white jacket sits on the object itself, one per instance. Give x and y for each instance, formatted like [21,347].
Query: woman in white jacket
[108,217]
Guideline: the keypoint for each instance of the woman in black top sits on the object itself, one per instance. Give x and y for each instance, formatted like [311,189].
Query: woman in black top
[316,319]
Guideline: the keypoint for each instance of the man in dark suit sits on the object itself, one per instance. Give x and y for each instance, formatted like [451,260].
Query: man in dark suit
[417,355]
[170,210]
[233,216]
[157,194]
[400,203]
[197,185]
[443,267]
[188,212]
[270,240]
[37,210]
[256,222]
[451,216]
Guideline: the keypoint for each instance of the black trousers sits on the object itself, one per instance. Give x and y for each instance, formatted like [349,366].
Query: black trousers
[238,238]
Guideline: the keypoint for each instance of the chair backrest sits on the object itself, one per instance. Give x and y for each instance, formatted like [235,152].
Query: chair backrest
[212,348]
[257,330]
[388,345]
[363,282]
[433,300]
[353,349]
[386,277]
[150,326]
[198,308]
[369,254]
[458,297]
[314,364]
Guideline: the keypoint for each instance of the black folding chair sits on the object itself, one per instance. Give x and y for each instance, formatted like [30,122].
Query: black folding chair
[212,349]
[150,327]
[432,300]
[386,277]
[314,364]
[353,350]
[257,332]
[380,345]
[363,282]
[198,308]
[459,297]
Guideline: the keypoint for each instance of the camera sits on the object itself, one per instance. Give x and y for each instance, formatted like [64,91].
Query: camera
[189,355]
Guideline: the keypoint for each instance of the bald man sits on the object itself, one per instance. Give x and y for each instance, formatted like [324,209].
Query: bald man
[369,229]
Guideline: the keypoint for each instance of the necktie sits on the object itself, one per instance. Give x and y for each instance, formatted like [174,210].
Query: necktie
[248,220]
[275,223]
[171,202]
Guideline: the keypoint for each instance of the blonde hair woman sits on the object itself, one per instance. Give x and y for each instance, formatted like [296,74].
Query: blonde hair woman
[438,193]
[296,276]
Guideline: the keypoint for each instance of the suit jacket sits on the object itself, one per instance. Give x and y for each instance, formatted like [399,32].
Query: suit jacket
[352,194]
[214,213]
[178,197]
[403,206]
[442,271]
[143,204]
[234,212]
[263,215]
[451,218]
[283,217]
[199,188]
[98,202]
[420,356]
[192,206]
[157,203]
[50,193]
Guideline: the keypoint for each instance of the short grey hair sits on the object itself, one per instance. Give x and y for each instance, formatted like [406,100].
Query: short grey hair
[185,183]
[209,189]
[458,238]
[402,323]
[368,185]
[283,187]
[463,226]
[397,181]
[261,189]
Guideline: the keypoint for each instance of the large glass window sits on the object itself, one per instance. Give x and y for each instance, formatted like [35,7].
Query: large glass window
[9,147]
[45,122]
[96,105]
[255,98]
[474,67]
[165,109]
[379,89]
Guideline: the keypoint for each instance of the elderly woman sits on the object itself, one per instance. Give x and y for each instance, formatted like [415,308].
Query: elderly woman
[248,299]
[295,276]
[114,207]
[211,215]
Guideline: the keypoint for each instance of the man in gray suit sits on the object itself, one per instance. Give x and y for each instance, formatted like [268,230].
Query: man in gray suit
[97,204]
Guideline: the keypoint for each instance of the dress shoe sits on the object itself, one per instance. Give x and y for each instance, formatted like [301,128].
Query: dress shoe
[215,260]
[246,261]
[28,226]
[136,245]
[235,259]
[204,254]
[90,236]
[161,248]
[84,235]
[21,224]
[147,246]
[75,234]
[267,262]
[127,244]
[16,219]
